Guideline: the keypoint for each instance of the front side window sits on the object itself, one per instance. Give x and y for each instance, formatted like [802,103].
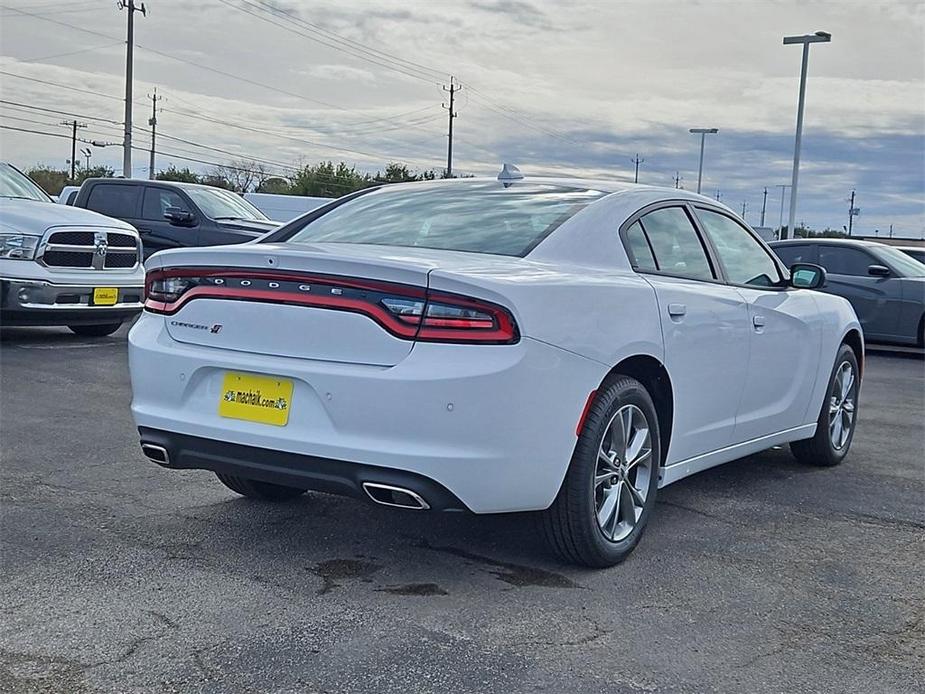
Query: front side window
[114,200]
[842,260]
[675,244]
[156,202]
[744,259]
[476,217]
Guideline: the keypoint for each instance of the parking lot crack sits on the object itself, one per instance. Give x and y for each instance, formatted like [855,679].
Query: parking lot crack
[516,575]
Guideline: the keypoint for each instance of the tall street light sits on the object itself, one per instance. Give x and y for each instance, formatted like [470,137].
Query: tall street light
[703,132]
[818,37]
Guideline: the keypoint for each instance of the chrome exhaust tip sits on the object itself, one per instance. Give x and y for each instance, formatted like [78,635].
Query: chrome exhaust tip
[387,495]
[156,453]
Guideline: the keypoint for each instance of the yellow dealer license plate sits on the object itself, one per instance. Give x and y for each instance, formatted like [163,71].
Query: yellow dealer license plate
[105,296]
[263,399]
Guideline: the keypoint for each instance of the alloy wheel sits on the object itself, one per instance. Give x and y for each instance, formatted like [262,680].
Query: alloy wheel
[623,473]
[842,406]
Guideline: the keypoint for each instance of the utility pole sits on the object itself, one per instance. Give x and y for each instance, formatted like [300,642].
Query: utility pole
[718,196]
[764,206]
[452,89]
[744,207]
[780,223]
[152,121]
[73,125]
[677,179]
[852,212]
[637,161]
[129,57]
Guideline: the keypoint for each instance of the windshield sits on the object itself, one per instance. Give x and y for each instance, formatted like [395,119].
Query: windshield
[477,216]
[223,204]
[15,184]
[902,263]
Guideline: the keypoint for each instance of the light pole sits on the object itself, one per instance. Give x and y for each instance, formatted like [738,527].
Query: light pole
[818,37]
[703,133]
[780,224]
[87,153]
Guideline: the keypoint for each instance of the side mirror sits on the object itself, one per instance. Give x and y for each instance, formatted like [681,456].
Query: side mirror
[179,216]
[878,270]
[806,276]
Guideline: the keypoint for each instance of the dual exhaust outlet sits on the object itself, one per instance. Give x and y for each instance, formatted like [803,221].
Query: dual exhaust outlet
[384,494]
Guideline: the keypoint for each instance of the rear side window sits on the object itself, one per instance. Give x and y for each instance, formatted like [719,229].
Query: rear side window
[114,200]
[640,249]
[841,260]
[157,200]
[478,217]
[675,244]
[795,253]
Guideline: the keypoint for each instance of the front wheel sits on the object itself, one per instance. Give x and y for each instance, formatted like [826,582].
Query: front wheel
[838,418]
[254,489]
[609,490]
[95,330]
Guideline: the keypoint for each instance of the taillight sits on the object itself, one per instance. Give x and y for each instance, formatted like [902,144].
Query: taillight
[408,312]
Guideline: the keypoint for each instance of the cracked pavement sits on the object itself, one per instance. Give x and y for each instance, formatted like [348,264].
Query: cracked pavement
[759,576]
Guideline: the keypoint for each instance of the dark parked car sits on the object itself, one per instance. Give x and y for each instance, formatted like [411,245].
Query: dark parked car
[173,215]
[885,286]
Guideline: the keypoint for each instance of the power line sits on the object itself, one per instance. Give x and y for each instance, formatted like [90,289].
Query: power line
[60,86]
[637,161]
[327,38]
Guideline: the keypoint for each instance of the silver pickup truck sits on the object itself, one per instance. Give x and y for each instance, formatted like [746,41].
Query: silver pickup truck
[61,265]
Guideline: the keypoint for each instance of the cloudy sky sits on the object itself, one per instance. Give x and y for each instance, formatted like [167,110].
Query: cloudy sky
[555,87]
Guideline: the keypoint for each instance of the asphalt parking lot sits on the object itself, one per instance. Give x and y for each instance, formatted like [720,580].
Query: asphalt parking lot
[759,576]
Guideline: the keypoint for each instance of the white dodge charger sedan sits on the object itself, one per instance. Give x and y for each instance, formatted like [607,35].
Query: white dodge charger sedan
[555,345]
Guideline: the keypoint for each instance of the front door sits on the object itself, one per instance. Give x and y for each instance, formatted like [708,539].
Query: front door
[784,328]
[157,232]
[704,325]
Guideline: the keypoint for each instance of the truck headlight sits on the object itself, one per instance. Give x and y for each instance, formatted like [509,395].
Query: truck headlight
[18,246]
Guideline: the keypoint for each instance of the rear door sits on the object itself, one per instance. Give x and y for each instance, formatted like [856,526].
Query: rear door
[157,232]
[117,200]
[704,324]
[785,331]
[877,300]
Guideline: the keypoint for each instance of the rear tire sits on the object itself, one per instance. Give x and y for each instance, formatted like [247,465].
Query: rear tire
[832,440]
[614,470]
[254,489]
[95,330]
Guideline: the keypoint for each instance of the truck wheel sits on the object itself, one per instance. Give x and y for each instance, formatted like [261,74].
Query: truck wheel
[265,491]
[95,330]
[609,490]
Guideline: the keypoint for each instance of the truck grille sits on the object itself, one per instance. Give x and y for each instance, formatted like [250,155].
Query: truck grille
[97,250]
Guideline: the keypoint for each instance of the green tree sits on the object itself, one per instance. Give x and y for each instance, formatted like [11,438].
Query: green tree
[275,185]
[100,171]
[172,173]
[327,180]
[50,180]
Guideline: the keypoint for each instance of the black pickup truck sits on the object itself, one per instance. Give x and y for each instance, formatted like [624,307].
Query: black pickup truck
[173,215]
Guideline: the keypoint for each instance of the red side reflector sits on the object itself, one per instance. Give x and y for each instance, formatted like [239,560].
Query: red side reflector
[584,412]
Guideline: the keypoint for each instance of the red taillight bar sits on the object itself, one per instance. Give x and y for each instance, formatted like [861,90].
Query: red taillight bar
[498,328]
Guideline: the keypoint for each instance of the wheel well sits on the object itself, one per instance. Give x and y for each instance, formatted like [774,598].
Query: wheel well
[652,374]
[853,340]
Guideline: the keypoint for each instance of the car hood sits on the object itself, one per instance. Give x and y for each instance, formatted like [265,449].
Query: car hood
[35,218]
[253,226]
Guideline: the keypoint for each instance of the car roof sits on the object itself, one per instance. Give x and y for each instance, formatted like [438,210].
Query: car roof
[171,184]
[829,241]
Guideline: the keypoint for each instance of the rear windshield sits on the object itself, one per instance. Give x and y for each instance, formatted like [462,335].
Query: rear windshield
[478,217]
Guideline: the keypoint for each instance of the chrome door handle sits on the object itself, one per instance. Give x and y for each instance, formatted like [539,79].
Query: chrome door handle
[758,321]
[676,310]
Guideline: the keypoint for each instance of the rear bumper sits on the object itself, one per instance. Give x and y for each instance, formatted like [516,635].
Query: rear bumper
[291,469]
[492,425]
[39,302]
